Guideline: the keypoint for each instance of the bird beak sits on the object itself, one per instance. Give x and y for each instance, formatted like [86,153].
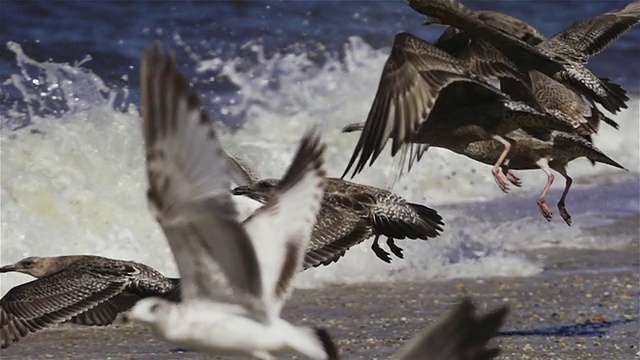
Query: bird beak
[241,190]
[8,268]
[353,127]
[430,20]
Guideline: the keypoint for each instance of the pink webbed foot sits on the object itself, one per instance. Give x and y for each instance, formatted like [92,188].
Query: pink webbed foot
[544,209]
[500,179]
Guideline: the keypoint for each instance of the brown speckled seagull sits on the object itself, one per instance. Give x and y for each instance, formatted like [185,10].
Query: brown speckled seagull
[571,47]
[82,289]
[521,53]
[426,96]
[350,213]
[545,151]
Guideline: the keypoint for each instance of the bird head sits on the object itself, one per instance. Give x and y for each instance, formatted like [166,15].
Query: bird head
[260,191]
[34,266]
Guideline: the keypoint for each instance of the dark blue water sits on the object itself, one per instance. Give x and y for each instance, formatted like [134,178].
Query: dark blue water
[114,33]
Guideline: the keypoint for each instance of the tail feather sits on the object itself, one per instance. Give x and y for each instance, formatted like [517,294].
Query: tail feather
[428,225]
[428,215]
[617,94]
[587,149]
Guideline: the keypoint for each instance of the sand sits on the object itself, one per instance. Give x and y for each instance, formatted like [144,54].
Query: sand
[583,306]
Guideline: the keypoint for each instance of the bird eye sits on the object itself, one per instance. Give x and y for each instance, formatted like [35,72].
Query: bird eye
[27,263]
[263,185]
[154,307]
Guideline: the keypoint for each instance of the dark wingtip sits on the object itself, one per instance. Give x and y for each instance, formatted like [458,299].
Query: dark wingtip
[310,155]
[428,214]
[327,343]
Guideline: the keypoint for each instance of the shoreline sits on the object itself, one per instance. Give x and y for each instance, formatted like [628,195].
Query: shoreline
[584,305]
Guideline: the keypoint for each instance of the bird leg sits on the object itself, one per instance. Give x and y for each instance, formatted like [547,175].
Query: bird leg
[499,177]
[383,255]
[567,185]
[542,203]
[511,176]
[395,249]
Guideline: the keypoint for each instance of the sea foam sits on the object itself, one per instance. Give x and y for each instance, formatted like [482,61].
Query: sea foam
[73,179]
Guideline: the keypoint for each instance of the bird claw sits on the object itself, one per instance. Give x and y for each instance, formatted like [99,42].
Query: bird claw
[545,210]
[383,255]
[500,179]
[513,178]
[565,214]
[395,249]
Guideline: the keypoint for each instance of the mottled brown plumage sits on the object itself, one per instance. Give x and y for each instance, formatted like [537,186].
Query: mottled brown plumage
[427,96]
[453,13]
[82,289]
[542,150]
[571,47]
[351,213]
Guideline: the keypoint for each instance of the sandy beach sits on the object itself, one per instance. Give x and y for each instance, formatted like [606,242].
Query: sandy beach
[583,306]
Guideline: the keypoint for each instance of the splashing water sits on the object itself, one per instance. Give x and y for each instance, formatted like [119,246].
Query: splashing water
[73,177]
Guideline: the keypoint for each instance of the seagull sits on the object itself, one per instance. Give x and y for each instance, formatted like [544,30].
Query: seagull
[571,47]
[456,14]
[428,97]
[353,212]
[235,277]
[461,335]
[545,151]
[81,289]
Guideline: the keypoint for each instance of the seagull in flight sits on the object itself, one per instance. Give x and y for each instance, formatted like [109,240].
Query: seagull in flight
[235,277]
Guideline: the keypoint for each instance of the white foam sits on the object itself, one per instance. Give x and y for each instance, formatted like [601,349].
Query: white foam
[77,186]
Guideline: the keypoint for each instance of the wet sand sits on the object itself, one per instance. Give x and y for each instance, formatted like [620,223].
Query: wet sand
[583,306]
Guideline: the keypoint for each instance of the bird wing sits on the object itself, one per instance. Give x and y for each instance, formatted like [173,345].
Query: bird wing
[459,336]
[46,302]
[189,189]
[342,223]
[590,36]
[105,313]
[454,13]
[511,25]
[411,81]
[281,230]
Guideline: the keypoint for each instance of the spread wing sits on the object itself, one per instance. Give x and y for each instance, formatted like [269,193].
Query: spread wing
[454,13]
[46,302]
[459,336]
[281,229]
[189,189]
[106,312]
[411,81]
[590,36]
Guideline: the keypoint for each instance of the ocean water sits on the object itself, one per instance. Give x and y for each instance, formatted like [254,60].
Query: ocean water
[72,166]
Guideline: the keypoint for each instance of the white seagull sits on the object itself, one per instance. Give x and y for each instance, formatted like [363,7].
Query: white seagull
[235,277]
